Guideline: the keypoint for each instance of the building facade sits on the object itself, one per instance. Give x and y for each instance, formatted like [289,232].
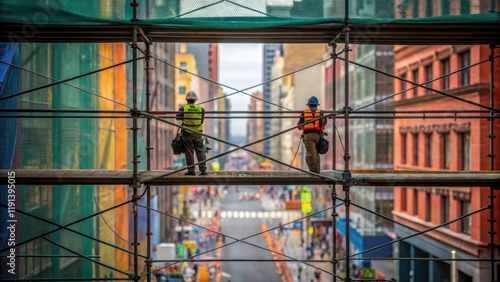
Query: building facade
[449,142]
[268,53]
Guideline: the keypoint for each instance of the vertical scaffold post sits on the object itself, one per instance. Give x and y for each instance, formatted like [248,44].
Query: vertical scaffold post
[334,106]
[148,166]
[346,173]
[135,156]
[492,136]
[334,159]
[491,155]
[334,231]
[492,233]
[347,204]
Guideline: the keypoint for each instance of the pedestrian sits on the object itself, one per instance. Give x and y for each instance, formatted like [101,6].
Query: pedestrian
[312,132]
[310,251]
[211,272]
[317,275]
[188,274]
[192,117]
[195,269]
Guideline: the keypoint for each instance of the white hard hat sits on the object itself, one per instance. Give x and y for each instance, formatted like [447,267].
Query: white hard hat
[191,95]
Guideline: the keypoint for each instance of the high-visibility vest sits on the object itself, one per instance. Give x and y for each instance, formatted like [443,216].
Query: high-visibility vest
[192,117]
[317,124]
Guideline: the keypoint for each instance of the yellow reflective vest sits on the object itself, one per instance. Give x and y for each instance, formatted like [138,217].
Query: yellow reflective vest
[193,115]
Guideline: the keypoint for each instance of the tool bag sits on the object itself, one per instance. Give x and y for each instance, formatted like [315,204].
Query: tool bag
[322,145]
[177,144]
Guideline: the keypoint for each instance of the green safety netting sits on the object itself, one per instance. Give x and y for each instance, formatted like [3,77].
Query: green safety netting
[244,13]
[43,248]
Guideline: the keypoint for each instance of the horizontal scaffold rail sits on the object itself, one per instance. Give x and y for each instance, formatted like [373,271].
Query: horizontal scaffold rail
[354,178]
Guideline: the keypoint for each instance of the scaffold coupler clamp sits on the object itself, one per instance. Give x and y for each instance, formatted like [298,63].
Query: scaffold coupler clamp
[346,178]
[135,112]
[134,277]
[346,110]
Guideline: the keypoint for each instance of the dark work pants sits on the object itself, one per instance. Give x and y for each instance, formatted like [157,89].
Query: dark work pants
[193,144]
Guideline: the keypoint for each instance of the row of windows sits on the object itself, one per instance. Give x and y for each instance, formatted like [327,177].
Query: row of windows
[436,152]
[428,76]
[430,8]
[464,207]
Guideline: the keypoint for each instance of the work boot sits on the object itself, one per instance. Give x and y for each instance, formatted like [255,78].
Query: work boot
[190,173]
[203,173]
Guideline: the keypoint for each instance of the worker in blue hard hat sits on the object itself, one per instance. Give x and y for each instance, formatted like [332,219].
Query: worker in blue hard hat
[312,130]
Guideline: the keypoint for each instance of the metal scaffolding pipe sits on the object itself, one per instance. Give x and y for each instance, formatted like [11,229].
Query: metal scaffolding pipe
[85,257]
[425,87]
[387,178]
[243,240]
[491,155]
[346,172]
[148,163]
[267,114]
[421,232]
[241,147]
[66,227]
[263,117]
[64,80]
[135,156]
[70,85]
[334,162]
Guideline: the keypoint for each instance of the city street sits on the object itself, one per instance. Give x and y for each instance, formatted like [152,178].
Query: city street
[244,227]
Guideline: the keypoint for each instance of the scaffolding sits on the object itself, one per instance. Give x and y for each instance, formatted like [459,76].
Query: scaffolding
[346,177]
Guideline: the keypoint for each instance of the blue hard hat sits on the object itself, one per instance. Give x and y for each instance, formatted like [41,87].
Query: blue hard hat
[312,101]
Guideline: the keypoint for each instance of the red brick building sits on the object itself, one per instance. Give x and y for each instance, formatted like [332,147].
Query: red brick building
[444,144]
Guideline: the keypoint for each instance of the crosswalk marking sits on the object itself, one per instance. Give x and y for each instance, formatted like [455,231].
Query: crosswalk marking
[283,215]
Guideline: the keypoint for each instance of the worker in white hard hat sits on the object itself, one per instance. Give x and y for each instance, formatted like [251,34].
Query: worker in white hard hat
[192,117]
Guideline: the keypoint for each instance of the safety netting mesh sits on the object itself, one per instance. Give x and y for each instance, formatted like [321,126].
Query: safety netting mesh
[52,140]
[244,13]
[53,226]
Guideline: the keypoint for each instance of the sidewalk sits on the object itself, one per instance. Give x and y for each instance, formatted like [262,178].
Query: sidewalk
[292,246]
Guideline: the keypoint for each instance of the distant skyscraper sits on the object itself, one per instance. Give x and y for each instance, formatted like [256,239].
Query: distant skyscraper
[269,50]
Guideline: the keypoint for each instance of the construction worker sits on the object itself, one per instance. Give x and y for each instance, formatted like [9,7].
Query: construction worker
[311,132]
[192,117]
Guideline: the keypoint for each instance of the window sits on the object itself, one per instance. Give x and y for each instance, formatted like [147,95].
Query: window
[182,90]
[428,206]
[415,149]
[428,78]
[464,150]
[403,148]
[445,151]
[466,222]
[464,62]
[465,7]
[183,67]
[415,201]
[415,79]
[445,7]
[429,8]
[445,209]
[403,199]
[428,150]
[445,71]
[403,85]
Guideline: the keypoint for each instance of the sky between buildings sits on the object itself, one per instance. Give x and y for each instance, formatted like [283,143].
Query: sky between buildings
[240,67]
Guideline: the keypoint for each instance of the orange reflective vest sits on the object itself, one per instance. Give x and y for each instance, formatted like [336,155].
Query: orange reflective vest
[317,124]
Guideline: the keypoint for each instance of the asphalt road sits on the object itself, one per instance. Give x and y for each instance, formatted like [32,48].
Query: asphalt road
[245,227]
